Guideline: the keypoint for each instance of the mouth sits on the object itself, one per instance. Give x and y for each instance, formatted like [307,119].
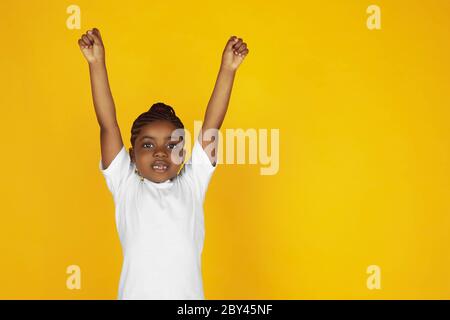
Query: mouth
[160,166]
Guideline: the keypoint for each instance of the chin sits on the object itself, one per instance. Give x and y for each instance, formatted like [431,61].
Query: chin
[160,178]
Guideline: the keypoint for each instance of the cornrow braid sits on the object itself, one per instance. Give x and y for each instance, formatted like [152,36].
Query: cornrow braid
[158,111]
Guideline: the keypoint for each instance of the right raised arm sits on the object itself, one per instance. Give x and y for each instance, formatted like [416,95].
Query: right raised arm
[91,46]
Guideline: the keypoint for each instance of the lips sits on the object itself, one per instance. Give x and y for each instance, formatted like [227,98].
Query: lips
[160,166]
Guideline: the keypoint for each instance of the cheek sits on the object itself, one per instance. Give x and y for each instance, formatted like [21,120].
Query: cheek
[174,171]
[145,152]
[143,158]
[176,157]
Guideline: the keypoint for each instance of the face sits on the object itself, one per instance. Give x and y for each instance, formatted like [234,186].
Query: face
[158,152]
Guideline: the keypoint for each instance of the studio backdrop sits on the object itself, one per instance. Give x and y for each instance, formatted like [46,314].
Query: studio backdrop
[334,177]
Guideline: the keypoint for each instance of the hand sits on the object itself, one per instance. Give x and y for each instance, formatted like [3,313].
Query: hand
[234,53]
[91,46]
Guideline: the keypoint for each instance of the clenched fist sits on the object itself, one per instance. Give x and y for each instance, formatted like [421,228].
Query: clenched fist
[91,46]
[234,53]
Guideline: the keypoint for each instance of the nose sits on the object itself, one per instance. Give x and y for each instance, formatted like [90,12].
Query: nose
[160,152]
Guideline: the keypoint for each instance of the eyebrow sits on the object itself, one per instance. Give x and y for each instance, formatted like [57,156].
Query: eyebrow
[153,138]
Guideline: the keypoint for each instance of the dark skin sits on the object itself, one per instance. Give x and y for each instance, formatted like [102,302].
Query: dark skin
[93,49]
[157,154]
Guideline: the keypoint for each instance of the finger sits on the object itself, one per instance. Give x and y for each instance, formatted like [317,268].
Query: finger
[81,44]
[236,50]
[242,47]
[231,41]
[237,44]
[90,37]
[94,36]
[97,33]
[91,40]
[86,40]
[244,53]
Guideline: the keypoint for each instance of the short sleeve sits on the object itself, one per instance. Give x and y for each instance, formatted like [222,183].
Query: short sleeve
[199,169]
[117,171]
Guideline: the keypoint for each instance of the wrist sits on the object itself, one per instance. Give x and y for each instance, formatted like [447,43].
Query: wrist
[97,63]
[227,69]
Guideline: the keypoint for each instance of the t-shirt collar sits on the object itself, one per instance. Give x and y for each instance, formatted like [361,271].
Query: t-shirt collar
[160,185]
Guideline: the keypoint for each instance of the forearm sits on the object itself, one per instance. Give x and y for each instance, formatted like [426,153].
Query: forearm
[101,95]
[220,98]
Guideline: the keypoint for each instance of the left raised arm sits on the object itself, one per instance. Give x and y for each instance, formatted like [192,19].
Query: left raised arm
[234,53]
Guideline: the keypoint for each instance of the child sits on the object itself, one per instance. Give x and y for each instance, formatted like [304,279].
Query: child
[159,203]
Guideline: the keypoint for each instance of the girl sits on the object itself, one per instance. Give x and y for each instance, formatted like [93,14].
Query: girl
[159,202]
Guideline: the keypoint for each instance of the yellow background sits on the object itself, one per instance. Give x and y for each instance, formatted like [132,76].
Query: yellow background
[364,144]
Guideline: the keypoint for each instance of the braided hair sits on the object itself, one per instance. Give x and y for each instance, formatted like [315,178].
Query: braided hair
[158,111]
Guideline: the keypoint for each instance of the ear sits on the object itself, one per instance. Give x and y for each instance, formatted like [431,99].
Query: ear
[131,152]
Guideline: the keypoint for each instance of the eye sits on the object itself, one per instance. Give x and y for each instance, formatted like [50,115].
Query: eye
[172,146]
[147,144]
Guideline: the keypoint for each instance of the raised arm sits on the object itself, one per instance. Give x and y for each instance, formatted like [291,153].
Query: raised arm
[234,53]
[111,143]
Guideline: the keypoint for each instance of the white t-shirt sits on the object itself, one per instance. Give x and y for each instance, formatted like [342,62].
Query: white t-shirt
[161,228]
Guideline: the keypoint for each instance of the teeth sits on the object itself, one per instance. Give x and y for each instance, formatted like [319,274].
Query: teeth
[160,167]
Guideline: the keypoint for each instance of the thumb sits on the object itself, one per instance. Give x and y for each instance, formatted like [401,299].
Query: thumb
[95,34]
[231,42]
